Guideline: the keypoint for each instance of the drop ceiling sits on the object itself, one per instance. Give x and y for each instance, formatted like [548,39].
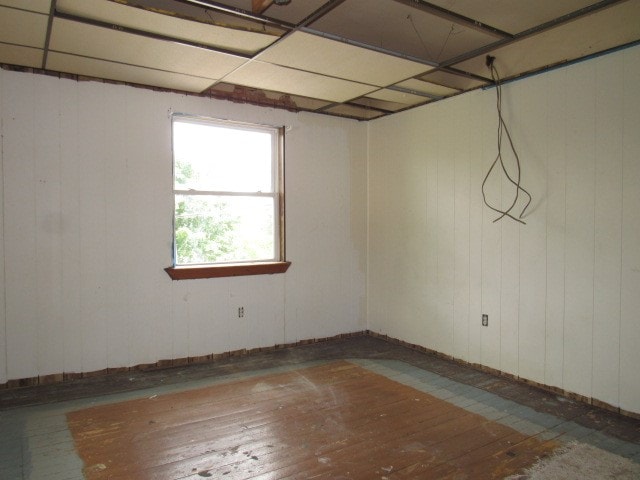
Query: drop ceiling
[360,59]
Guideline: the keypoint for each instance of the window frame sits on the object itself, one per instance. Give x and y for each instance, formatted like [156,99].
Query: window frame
[226,269]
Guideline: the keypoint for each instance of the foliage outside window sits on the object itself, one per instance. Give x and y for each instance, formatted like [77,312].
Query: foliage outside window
[227,189]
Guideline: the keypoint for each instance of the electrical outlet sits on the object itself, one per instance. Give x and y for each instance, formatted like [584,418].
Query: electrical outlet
[240,312]
[485,320]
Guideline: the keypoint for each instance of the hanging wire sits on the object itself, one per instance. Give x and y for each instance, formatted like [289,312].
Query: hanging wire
[503,129]
[415,29]
[452,32]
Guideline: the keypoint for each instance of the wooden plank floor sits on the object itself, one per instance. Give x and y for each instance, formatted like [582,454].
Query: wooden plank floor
[335,420]
[36,443]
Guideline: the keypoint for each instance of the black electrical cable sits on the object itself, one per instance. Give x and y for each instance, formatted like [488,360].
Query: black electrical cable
[502,128]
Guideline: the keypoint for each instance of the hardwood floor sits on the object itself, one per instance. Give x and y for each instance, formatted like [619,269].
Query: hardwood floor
[336,420]
[351,408]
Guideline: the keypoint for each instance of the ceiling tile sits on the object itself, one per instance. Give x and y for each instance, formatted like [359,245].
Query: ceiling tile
[361,113]
[398,97]
[401,28]
[427,87]
[23,28]
[233,39]
[373,55]
[379,104]
[18,55]
[453,80]
[510,16]
[569,41]
[125,73]
[312,53]
[116,46]
[287,80]
[42,6]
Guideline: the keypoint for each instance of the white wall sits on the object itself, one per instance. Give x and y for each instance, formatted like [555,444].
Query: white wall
[86,232]
[562,292]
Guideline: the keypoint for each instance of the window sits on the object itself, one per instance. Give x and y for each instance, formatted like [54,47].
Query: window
[229,199]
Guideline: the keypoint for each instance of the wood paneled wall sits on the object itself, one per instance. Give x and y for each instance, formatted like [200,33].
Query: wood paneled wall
[86,231]
[563,291]
[87,210]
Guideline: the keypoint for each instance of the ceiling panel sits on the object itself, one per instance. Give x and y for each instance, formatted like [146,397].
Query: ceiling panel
[374,56]
[233,39]
[340,60]
[379,104]
[18,55]
[198,11]
[42,6]
[401,28]
[513,16]
[361,113]
[125,73]
[403,98]
[117,46]
[572,40]
[427,87]
[287,80]
[453,80]
[20,27]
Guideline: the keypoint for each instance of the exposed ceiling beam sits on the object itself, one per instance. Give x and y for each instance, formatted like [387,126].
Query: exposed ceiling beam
[259,6]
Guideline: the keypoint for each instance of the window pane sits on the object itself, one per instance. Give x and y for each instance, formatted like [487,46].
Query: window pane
[217,229]
[219,158]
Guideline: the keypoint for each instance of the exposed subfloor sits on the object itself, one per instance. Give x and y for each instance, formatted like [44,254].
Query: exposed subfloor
[37,443]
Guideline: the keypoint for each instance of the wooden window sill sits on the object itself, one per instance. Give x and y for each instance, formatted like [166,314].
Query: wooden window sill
[228,270]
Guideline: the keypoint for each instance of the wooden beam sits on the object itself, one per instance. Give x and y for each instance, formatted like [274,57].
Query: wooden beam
[259,6]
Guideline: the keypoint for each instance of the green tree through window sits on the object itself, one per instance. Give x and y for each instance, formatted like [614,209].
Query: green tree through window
[203,231]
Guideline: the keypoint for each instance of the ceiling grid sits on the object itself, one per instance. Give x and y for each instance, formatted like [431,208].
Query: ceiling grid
[360,59]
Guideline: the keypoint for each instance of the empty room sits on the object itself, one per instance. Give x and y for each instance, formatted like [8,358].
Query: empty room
[319,239]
